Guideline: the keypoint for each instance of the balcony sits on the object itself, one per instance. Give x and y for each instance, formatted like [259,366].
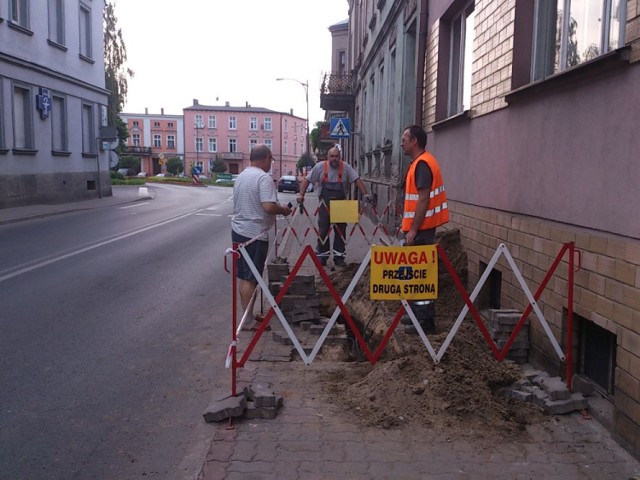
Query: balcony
[140,151]
[336,92]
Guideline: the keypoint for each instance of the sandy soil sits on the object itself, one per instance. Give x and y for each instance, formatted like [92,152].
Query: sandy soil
[460,396]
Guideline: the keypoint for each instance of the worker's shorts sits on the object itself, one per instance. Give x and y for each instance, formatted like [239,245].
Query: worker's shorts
[257,251]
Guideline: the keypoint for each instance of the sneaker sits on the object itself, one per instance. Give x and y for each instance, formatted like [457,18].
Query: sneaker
[339,262]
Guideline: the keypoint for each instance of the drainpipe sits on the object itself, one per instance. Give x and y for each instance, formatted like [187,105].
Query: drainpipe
[423,30]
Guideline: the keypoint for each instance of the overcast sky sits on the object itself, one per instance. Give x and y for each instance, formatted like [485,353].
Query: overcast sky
[227,51]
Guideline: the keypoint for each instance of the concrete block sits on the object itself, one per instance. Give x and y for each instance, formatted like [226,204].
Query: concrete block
[281,339]
[225,408]
[560,407]
[555,388]
[520,395]
[509,318]
[253,412]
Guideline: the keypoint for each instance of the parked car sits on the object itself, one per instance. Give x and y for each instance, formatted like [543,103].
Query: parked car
[288,183]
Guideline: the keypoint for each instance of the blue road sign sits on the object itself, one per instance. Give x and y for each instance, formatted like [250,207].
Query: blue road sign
[339,128]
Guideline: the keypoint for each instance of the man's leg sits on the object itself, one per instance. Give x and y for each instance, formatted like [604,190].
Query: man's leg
[339,250]
[247,300]
[323,240]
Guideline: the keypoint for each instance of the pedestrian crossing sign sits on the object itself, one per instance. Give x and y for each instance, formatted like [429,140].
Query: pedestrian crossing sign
[339,128]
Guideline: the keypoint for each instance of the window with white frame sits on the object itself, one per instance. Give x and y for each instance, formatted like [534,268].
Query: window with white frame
[199,144]
[252,144]
[267,123]
[135,138]
[88,129]
[56,21]
[233,145]
[233,123]
[171,141]
[22,119]
[156,124]
[460,60]
[568,33]
[268,142]
[253,123]
[86,48]
[170,124]
[19,12]
[59,131]
[213,144]
[212,121]
[199,123]
[135,123]
[157,140]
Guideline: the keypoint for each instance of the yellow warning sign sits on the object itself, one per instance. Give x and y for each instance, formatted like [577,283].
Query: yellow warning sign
[404,273]
[343,211]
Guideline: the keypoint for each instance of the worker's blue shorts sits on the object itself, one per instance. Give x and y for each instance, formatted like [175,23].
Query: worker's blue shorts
[257,251]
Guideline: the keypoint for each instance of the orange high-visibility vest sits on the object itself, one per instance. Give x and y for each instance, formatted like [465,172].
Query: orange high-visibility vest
[437,211]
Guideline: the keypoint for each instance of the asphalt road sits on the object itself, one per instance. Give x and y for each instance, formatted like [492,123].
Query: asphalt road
[115,324]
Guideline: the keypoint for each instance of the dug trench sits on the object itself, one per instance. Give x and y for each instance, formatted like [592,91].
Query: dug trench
[461,396]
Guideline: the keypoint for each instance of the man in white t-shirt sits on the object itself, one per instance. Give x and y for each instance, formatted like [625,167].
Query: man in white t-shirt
[255,206]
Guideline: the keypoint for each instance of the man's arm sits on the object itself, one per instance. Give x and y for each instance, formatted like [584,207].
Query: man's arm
[361,186]
[274,208]
[303,190]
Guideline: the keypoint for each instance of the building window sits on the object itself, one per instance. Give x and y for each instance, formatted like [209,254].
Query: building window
[135,123]
[286,147]
[233,145]
[59,135]
[136,139]
[156,124]
[199,123]
[56,21]
[88,129]
[460,60]
[295,148]
[170,125]
[268,142]
[212,121]
[22,121]
[252,143]
[199,144]
[19,12]
[2,141]
[213,144]
[157,140]
[267,123]
[342,62]
[286,124]
[253,123]
[85,32]
[589,28]
[233,123]
[171,141]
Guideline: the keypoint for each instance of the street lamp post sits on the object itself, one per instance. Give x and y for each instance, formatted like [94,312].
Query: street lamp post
[306,96]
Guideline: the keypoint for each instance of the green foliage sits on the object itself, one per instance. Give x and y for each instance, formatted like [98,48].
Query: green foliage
[123,134]
[115,56]
[320,146]
[130,162]
[175,166]
[305,160]
[219,165]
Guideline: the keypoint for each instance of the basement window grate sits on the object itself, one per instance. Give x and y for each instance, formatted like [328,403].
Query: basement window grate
[597,350]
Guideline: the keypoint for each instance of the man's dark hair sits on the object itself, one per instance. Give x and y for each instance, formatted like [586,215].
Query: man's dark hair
[417,132]
[259,152]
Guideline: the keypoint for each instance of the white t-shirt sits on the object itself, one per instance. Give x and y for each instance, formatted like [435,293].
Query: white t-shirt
[252,187]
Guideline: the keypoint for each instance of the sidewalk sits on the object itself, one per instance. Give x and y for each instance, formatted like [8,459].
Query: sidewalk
[120,194]
[312,438]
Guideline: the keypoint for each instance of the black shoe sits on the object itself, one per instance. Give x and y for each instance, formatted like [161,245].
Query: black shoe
[428,328]
[339,262]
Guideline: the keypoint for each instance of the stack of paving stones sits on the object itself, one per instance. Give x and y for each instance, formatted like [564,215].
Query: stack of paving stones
[551,394]
[500,323]
[254,401]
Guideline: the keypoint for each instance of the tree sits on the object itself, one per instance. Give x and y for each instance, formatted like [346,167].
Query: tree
[116,75]
[305,160]
[130,162]
[317,135]
[175,166]
[219,165]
